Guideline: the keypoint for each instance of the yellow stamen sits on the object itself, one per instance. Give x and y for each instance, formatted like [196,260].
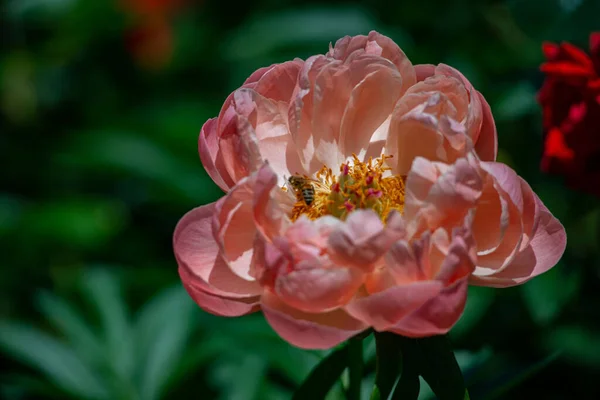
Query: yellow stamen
[359,185]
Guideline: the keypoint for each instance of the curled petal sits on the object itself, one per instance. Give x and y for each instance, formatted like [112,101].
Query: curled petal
[543,252]
[215,304]
[211,156]
[269,204]
[439,195]
[486,144]
[370,104]
[436,316]
[306,330]
[256,132]
[198,253]
[313,287]
[361,240]
[385,309]
[279,81]
[234,228]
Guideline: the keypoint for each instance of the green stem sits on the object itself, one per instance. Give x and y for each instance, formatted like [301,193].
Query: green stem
[355,367]
[389,364]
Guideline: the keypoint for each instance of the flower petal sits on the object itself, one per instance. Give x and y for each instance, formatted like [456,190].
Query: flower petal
[197,252]
[438,315]
[211,156]
[234,228]
[215,304]
[438,195]
[309,331]
[544,250]
[384,309]
[361,240]
[370,104]
[486,144]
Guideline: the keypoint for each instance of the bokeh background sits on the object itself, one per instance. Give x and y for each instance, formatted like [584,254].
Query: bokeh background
[101,103]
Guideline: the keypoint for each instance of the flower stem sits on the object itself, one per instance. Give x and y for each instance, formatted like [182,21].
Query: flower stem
[355,367]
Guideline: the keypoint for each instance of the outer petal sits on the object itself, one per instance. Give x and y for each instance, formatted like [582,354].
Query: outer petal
[218,305]
[197,253]
[486,144]
[255,132]
[543,252]
[234,228]
[309,331]
[385,309]
[211,156]
[438,315]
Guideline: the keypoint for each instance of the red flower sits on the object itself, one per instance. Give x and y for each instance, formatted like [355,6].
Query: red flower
[570,99]
[150,39]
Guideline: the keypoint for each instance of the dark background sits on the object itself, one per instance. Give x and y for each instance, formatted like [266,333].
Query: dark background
[101,103]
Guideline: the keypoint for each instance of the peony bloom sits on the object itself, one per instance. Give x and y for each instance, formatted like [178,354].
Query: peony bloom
[570,99]
[401,204]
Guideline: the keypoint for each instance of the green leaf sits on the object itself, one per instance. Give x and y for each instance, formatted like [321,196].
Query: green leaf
[249,370]
[514,379]
[54,359]
[479,301]
[323,376]
[254,39]
[75,329]
[516,101]
[546,295]
[162,331]
[389,364]
[580,344]
[102,288]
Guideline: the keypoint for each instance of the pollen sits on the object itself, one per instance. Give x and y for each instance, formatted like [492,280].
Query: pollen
[358,185]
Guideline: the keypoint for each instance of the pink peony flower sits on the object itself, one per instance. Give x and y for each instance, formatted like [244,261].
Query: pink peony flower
[397,203]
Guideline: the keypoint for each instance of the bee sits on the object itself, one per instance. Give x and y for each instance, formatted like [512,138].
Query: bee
[303,187]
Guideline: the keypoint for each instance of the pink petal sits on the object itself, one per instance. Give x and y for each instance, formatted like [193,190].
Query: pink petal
[544,250]
[361,240]
[317,288]
[424,71]
[197,252]
[234,228]
[379,45]
[486,144]
[209,155]
[218,305]
[447,199]
[260,134]
[384,309]
[300,112]
[409,261]
[508,186]
[474,117]
[309,331]
[371,103]
[460,257]
[278,83]
[268,207]
[427,122]
[438,315]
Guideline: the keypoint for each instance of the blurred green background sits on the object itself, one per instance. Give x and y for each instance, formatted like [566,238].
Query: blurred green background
[101,103]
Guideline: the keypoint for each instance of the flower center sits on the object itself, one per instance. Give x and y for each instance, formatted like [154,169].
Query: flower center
[358,185]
